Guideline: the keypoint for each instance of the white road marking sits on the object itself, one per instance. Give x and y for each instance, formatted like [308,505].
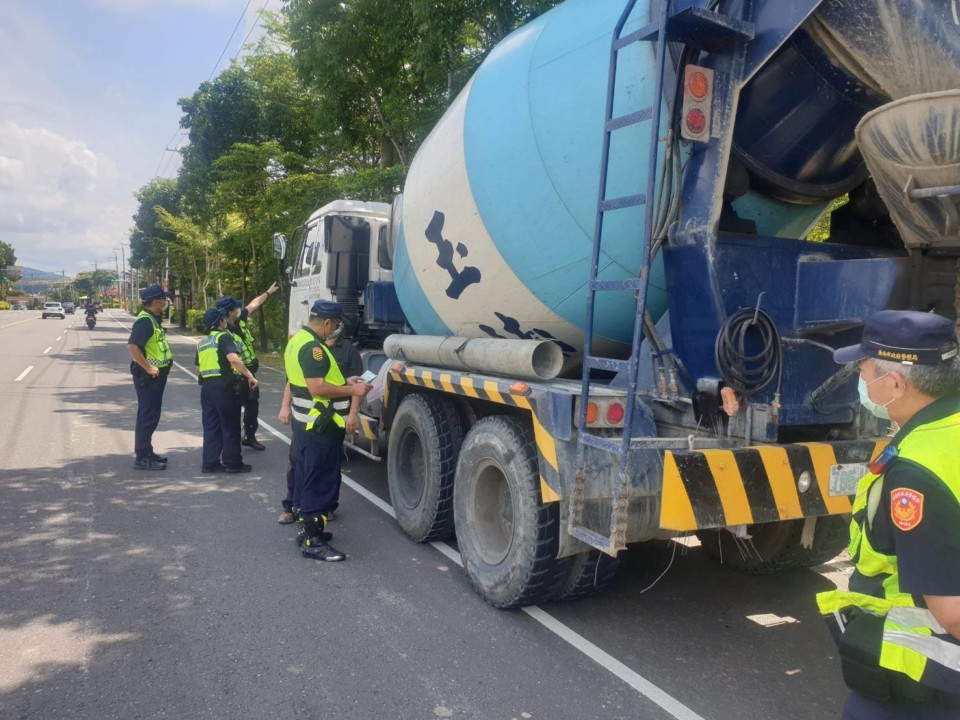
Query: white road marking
[639,683]
[48,349]
[60,338]
[22,375]
[608,662]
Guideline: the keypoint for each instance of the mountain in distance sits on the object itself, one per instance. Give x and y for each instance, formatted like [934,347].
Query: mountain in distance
[28,273]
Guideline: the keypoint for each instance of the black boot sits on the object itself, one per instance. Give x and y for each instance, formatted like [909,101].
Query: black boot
[315,546]
[252,442]
[302,532]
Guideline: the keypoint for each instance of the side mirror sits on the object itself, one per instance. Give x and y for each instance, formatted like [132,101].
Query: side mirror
[279,246]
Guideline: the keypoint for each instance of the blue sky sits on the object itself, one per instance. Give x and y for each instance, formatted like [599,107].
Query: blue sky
[88,102]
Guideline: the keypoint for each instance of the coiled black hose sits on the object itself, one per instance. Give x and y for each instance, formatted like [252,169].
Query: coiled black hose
[749,374]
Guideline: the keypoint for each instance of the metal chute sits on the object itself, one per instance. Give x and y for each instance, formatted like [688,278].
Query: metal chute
[912,147]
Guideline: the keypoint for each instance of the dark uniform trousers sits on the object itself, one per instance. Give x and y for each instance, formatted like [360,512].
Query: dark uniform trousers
[251,405]
[317,478]
[291,470]
[149,403]
[858,707]
[221,423]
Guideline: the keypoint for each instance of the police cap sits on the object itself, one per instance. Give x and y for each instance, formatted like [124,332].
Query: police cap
[228,303]
[212,317]
[903,336]
[154,292]
[326,309]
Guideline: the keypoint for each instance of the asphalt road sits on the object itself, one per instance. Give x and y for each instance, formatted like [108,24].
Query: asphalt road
[127,594]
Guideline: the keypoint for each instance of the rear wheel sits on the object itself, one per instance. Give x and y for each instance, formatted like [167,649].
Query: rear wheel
[508,537]
[589,573]
[421,461]
[776,546]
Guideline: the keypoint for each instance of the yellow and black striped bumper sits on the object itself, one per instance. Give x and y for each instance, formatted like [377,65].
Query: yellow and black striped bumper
[716,488]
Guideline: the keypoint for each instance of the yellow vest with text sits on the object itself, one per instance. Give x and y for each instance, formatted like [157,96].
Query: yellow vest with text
[912,637]
[208,355]
[309,408]
[157,350]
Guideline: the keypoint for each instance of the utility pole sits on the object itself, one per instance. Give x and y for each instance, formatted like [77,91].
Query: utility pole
[124,282]
[116,265]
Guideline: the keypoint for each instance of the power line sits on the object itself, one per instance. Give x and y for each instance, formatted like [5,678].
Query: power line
[166,148]
[227,45]
[252,27]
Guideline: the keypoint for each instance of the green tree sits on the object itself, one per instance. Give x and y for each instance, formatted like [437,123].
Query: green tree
[8,256]
[363,68]
[8,273]
[147,237]
[385,70]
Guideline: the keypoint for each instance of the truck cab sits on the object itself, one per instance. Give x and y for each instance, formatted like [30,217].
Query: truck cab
[344,255]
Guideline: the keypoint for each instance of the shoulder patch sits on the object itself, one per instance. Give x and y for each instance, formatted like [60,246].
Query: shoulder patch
[906,508]
[318,353]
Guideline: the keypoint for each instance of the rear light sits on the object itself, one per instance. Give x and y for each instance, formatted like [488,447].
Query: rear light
[519,388]
[697,84]
[695,121]
[697,103]
[615,413]
[593,412]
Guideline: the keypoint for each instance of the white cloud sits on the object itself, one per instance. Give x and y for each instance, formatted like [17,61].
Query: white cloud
[62,204]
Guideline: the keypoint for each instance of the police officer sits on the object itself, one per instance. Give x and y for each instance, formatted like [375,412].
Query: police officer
[237,317]
[221,373]
[151,359]
[898,625]
[350,363]
[315,382]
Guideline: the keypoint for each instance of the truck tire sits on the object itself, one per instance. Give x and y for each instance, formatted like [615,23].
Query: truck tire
[589,573]
[421,461]
[508,537]
[776,546]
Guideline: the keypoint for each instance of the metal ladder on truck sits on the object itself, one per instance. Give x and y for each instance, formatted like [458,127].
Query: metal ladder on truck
[690,23]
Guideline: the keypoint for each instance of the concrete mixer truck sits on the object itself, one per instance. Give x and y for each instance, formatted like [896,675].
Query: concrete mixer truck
[593,312]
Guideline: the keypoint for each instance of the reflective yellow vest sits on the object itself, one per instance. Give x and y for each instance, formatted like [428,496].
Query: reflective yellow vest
[246,354]
[247,340]
[208,356]
[309,408]
[912,637]
[157,350]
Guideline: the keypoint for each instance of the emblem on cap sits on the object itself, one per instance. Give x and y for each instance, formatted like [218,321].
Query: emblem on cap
[906,508]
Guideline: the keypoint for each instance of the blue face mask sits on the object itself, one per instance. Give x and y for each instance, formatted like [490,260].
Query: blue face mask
[869,405]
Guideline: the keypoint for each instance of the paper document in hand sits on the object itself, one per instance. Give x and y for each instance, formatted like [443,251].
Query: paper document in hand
[376,393]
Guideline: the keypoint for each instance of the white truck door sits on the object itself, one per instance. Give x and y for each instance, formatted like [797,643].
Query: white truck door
[308,276]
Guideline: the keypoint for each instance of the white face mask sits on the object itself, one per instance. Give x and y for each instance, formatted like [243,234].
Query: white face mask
[335,333]
[875,409]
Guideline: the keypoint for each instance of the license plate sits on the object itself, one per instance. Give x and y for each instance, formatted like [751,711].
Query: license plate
[845,478]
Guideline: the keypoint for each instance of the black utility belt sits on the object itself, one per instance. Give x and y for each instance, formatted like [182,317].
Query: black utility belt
[139,372]
[230,381]
[860,646]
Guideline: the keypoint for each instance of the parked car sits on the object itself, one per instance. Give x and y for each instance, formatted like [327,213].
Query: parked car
[69,307]
[19,306]
[51,309]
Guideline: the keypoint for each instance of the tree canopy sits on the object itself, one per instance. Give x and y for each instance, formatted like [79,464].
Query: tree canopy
[331,103]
